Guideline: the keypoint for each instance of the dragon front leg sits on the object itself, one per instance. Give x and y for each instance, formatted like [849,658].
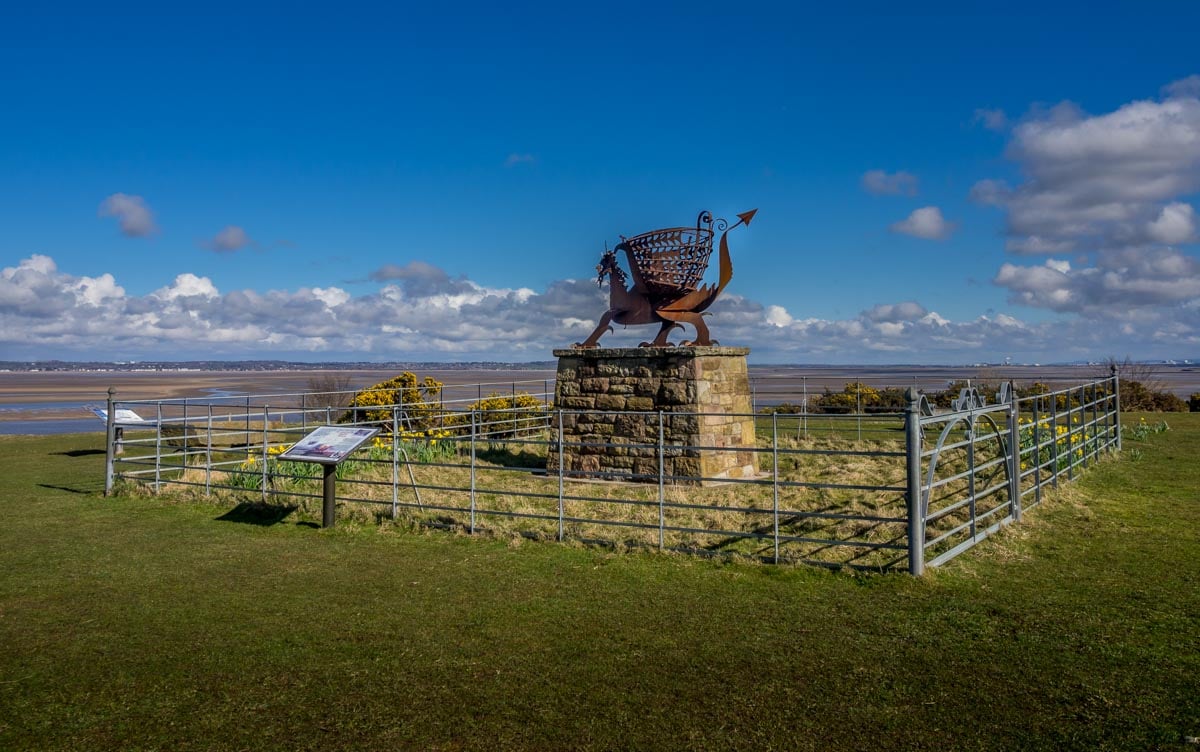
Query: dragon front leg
[601,329]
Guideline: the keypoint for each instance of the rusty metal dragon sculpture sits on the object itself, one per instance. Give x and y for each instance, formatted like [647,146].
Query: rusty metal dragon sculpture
[666,266]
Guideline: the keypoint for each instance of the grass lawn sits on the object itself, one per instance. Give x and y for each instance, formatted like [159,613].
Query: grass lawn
[141,623]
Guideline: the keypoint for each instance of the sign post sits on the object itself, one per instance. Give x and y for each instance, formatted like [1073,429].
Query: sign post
[328,446]
[110,441]
[330,497]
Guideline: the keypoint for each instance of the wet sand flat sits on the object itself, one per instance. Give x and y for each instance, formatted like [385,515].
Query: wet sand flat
[29,395]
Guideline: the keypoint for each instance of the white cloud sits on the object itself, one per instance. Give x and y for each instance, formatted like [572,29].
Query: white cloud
[1034,245]
[231,238]
[990,192]
[332,297]
[133,215]
[993,120]
[1175,224]
[95,291]
[1184,87]
[881,183]
[187,285]
[32,288]
[778,316]
[926,222]
[907,311]
[1118,282]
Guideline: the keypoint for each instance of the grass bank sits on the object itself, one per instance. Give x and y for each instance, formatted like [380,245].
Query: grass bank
[138,623]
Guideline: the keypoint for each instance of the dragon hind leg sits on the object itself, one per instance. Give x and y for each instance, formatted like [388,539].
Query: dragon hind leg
[661,339]
[696,320]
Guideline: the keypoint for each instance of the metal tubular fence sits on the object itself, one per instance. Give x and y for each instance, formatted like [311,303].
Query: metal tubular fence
[891,490]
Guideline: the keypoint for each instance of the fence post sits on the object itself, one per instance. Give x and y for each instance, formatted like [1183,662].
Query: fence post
[1014,452]
[662,496]
[473,421]
[266,441]
[395,462]
[1037,451]
[110,449]
[208,455]
[775,483]
[858,408]
[804,404]
[158,448]
[1083,423]
[912,451]
[561,504]
[1095,420]
[1054,438]
[1116,401]
[1071,418]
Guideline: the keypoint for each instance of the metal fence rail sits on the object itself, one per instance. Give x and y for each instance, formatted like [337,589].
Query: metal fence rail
[905,489]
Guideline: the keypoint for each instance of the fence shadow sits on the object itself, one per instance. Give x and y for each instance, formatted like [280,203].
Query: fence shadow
[506,457]
[98,489]
[258,513]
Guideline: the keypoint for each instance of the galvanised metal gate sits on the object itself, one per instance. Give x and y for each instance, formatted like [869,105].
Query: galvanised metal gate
[976,468]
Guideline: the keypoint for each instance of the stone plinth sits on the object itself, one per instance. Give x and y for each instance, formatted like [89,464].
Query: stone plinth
[703,393]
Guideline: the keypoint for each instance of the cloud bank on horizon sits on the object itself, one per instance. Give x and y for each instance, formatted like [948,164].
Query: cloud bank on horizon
[429,315]
[1097,232]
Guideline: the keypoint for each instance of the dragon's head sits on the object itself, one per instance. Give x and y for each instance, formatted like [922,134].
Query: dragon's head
[608,263]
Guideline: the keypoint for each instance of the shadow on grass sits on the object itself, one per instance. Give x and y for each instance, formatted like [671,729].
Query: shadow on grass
[258,513]
[518,460]
[80,453]
[68,489]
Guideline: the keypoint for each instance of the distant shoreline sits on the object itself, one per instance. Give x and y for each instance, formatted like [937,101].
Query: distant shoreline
[59,395]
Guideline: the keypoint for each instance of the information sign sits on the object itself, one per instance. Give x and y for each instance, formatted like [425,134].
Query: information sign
[328,445]
[122,417]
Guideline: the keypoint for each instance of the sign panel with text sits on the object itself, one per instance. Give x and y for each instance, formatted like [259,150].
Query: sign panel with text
[328,445]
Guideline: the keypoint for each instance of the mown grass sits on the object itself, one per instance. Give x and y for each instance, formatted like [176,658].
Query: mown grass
[139,623]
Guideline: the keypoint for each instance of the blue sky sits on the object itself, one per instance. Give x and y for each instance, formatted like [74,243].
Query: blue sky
[383,182]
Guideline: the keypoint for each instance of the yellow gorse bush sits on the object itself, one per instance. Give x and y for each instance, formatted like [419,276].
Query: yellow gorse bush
[416,397]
